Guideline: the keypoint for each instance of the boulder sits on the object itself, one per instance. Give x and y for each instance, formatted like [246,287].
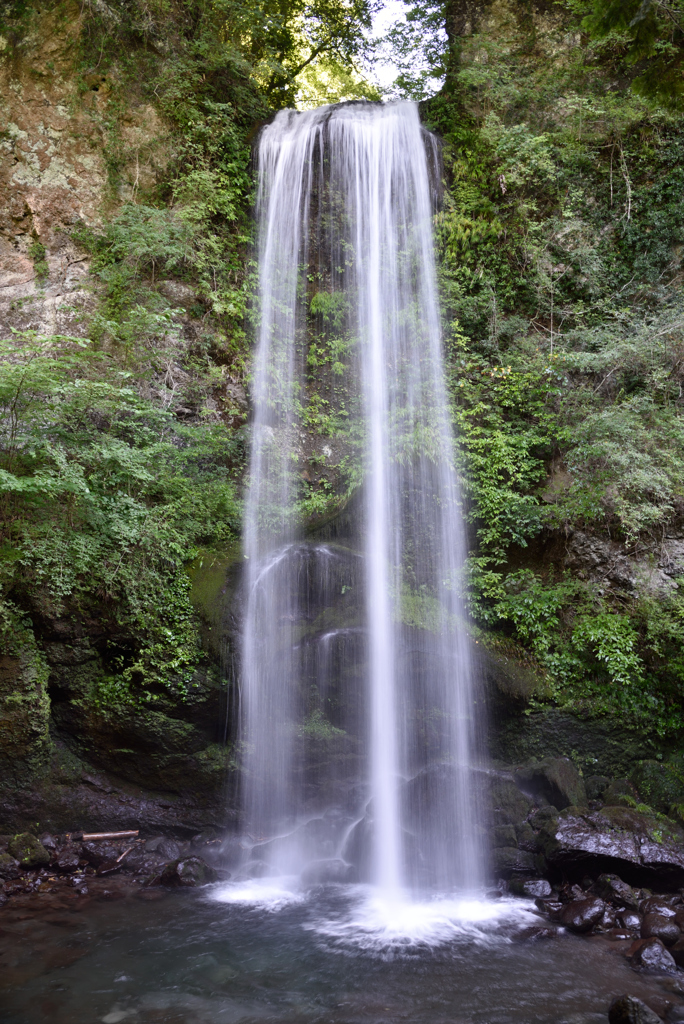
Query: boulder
[163,847]
[9,867]
[612,888]
[98,853]
[630,1010]
[651,955]
[657,905]
[29,851]
[582,915]
[630,919]
[533,888]
[191,871]
[619,838]
[661,927]
[554,780]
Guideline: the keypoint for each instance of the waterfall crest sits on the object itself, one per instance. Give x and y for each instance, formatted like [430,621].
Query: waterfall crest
[359,740]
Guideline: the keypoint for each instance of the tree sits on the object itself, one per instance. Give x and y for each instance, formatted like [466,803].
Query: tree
[651,35]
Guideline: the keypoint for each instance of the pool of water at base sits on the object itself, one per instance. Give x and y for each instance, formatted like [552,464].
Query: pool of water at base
[335,955]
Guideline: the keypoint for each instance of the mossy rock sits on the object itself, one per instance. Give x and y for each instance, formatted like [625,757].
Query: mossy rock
[553,780]
[28,851]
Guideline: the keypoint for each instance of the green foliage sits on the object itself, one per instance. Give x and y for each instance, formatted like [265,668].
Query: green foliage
[37,253]
[650,34]
[105,496]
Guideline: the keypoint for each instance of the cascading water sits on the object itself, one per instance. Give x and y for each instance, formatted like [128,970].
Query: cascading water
[363,759]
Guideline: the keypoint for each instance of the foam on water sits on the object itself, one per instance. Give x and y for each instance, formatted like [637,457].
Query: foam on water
[270,894]
[374,923]
[364,918]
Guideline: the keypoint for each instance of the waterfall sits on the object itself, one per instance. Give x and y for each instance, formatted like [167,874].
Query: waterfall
[362,758]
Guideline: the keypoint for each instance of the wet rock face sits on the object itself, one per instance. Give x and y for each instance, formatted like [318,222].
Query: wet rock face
[554,780]
[630,1010]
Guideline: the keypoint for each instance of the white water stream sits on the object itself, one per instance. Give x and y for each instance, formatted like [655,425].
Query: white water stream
[387,734]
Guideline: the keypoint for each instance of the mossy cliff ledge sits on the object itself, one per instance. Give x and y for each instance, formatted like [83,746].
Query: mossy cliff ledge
[127,287]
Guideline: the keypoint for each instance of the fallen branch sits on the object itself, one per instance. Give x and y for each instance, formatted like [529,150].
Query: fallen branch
[87,836]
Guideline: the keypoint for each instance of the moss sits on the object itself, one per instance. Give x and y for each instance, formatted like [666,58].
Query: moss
[24,703]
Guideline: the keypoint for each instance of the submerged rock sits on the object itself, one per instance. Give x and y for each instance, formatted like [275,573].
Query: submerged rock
[535,933]
[630,1010]
[29,851]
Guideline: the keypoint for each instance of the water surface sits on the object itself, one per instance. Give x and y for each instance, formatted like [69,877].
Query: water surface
[271,954]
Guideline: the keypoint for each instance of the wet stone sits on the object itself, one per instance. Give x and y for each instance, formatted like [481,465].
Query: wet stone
[29,851]
[9,867]
[657,905]
[535,933]
[659,926]
[163,847]
[651,955]
[582,915]
[551,908]
[68,858]
[190,871]
[534,888]
[630,919]
[613,889]
[630,1010]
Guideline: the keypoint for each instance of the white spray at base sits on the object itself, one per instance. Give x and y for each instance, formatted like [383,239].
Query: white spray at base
[345,226]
